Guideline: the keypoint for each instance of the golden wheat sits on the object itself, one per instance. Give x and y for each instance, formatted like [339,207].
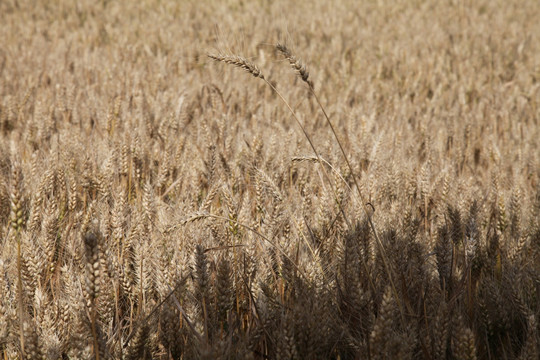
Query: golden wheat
[155,204]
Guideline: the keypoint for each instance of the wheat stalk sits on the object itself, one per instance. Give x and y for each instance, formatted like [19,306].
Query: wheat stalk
[302,72]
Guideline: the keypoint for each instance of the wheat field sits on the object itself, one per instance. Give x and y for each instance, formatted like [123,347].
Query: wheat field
[270,179]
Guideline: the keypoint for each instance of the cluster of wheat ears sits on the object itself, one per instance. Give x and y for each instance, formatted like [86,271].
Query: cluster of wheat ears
[157,204]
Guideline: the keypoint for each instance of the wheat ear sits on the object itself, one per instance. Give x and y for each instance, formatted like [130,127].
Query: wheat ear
[240,62]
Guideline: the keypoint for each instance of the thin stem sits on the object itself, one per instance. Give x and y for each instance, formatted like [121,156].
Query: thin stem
[336,198]
[363,201]
[303,73]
